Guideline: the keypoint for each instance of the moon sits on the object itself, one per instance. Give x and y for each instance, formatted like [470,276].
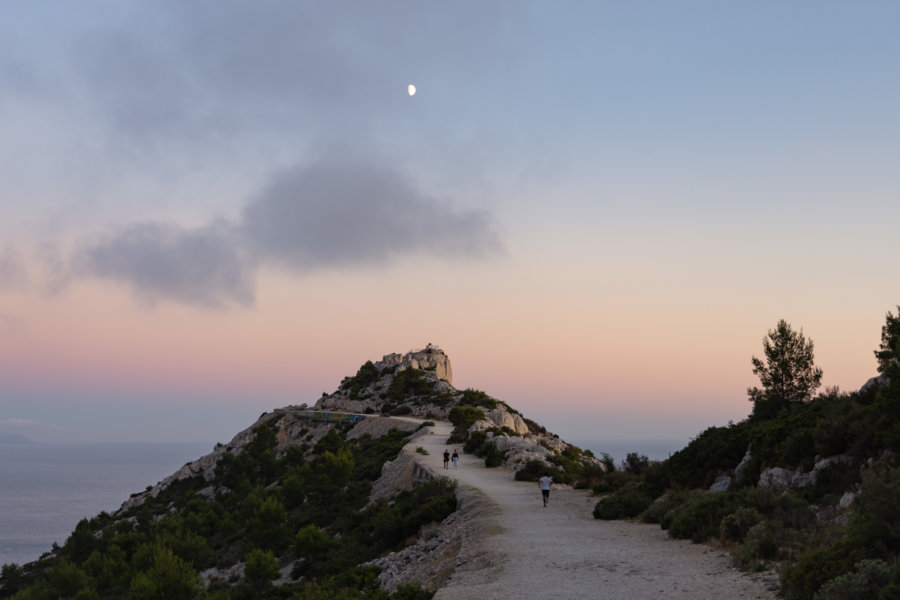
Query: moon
[411,89]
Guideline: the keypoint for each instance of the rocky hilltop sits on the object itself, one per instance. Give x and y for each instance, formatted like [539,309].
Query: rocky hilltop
[311,501]
[415,384]
[420,384]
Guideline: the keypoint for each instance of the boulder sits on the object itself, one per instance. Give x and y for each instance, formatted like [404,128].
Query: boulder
[831,460]
[847,499]
[501,418]
[721,484]
[779,479]
[742,466]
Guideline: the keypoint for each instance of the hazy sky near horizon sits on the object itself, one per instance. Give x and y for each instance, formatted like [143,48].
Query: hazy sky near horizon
[597,209]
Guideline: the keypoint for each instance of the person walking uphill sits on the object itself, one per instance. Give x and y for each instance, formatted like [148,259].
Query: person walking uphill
[446,458]
[544,483]
[455,458]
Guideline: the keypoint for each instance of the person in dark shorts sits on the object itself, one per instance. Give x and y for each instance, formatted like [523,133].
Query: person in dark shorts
[446,458]
[545,482]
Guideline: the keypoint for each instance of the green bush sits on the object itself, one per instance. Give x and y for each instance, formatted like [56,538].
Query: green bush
[366,375]
[816,567]
[734,527]
[699,518]
[475,442]
[715,450]
[493,456]
[662,506]
[864,582]
[462,418]
[535,469]
[625,503]
[472,397]
[407,383]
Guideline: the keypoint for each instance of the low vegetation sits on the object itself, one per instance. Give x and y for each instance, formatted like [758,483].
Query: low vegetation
[302,518]
[821,548]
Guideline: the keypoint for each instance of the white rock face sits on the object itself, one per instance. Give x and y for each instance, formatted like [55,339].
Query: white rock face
[431,358]
[784,479]
[721,484]
[777,478]
[847,499]
[500,417]
[742,466]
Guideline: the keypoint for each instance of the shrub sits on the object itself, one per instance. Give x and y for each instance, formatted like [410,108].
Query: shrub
[868,577]
[818,566]
[462,418]
[715,450]
[409,382]
[635,463]
[699,518]
[535,469]
[591,475]
[472,397]
[734,527]
[662,506]
[260,567]
[625,503]
[493,456]
[475,442]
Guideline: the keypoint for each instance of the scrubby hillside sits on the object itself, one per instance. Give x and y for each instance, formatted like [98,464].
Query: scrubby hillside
[419,384]
[810,489]
[301,502]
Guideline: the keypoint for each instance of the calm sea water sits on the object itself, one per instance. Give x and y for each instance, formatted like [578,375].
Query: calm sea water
[619,449]
[45,489]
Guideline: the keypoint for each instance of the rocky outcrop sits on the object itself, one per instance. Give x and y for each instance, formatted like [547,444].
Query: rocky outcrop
[721,484]
[431,358]
[504,419]
[780,479]
[742,467]
[293,426]
[455,545]
[402,474]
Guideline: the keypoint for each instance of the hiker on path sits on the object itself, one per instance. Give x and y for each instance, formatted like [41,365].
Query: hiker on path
[446,458]
[455,459]
[544,483]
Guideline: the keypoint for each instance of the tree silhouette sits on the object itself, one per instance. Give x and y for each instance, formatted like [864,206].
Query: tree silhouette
[788,375]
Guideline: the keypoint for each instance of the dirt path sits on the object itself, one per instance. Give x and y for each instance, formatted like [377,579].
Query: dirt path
[562,552]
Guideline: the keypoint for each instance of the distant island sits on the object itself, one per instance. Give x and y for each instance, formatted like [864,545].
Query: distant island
[14,438]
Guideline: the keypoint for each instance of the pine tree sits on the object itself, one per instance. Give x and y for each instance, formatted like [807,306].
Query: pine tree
[788,375]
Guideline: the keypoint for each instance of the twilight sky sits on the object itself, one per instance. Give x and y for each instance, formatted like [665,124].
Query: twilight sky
[210,209]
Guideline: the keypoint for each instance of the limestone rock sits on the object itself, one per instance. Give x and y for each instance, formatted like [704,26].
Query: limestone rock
[430,358]
[501,418]
[874,382]
[742,466]
[847,499]
[845,459]
[779,479]
[721,484]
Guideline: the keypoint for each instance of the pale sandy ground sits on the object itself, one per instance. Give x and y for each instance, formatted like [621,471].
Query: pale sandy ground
[562,552]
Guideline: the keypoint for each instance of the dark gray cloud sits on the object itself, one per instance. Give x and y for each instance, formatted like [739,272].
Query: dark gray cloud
[12,269]
[203,70]
[336,213]
[349,212]
[158,261]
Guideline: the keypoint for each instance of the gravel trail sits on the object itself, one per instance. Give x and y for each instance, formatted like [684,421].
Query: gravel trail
[562,552]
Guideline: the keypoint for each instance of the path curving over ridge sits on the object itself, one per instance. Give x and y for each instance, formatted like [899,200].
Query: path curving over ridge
[562,552]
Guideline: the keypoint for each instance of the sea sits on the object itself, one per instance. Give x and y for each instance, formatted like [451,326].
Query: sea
[46,488]
[654,449]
